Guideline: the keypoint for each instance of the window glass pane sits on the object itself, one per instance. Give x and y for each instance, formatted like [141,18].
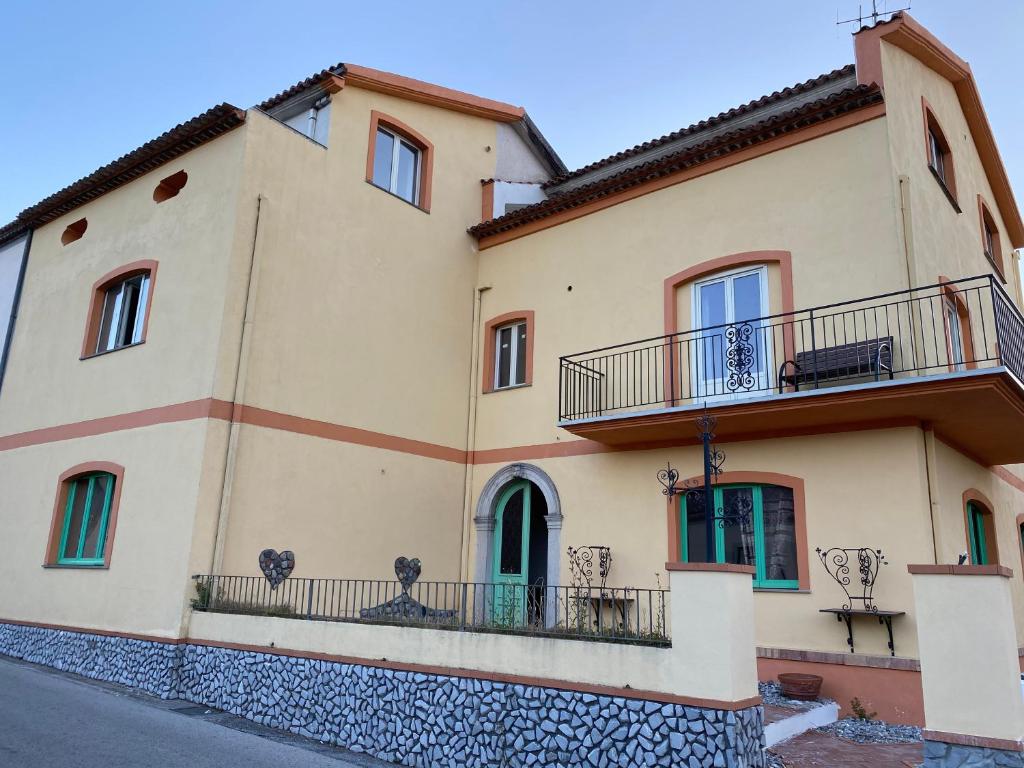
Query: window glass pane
[406,180]
[512,535]
[990,237]
[747,291]
[129,311]
[111,305]
[382,155]
[93,547]
[77,492]
[738,539]
[956,343]
[140,312]
[520,331]
[504,357]
[711,344]
[696,542]
[779,533]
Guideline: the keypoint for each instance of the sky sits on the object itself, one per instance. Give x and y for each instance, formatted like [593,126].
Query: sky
[84,83]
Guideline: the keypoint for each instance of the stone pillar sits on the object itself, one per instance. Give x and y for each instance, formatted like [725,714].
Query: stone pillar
[714,654]
[970,673]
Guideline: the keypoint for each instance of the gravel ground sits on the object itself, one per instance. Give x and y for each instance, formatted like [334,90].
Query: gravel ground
[872,731]
[771,692]
[772,760]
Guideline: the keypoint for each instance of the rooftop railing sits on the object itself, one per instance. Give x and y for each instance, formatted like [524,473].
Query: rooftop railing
[622,614]
[948,327]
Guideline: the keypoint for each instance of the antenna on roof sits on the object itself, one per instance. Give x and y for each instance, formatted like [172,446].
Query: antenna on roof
[875,14]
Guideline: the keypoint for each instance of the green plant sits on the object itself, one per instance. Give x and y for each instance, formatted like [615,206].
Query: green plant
[859,711]
[202,599]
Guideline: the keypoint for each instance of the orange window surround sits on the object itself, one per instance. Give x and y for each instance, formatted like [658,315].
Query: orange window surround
[424,145]
[938,153]
[490,327]
[57,521]
[99,289]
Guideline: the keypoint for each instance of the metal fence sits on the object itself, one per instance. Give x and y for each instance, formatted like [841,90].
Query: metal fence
[948,327]
[623,614]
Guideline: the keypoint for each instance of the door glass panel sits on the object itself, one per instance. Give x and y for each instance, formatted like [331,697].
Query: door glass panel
[956,341]
[406,181]
[738,540]
[93,545]
[779,533]
[711,344]
[79,491]
[382,157]
[512,535]
[746,291]
[696,538]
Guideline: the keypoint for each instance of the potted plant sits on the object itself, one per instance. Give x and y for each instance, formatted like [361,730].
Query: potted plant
[800,686]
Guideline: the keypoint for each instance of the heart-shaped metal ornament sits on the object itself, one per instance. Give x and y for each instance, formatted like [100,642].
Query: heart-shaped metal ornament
[277,566]
[407,571]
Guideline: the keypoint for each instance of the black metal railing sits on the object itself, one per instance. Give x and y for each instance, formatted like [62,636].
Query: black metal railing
[623,614]
[947,327]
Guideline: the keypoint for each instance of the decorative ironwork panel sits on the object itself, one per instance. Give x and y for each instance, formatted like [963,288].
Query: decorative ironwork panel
[855,570]
[740,357]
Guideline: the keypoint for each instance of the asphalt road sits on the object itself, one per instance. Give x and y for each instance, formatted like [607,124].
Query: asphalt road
[52,719]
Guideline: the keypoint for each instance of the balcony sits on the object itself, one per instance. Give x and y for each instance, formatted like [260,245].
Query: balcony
[949,355]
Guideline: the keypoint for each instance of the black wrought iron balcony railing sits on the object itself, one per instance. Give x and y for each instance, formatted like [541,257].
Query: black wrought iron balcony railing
[946,328]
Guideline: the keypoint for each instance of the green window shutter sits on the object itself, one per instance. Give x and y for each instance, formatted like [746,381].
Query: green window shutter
[976,535]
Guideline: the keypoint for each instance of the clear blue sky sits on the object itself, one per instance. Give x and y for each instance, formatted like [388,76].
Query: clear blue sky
[85,82]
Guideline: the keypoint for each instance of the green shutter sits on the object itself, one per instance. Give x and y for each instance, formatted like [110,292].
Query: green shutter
[976,535]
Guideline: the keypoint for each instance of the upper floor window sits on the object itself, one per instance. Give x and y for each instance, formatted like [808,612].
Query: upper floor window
[940,156]
[85,519]
[990,244]
[396,165]
[766,538]
[400,160]
[510,355]
[119,308]
[124,313]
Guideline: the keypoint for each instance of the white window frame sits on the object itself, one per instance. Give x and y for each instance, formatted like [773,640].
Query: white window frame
[119,318]
[936,156]
[513,373]
[397,141]
[700,386]
[956,335]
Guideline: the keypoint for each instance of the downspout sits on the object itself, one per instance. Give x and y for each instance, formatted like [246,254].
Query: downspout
[467,493]
[238,397]
[931,478]
[14,307]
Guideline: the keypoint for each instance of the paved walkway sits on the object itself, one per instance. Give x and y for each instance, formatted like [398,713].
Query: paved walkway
[49,719]
[823,750]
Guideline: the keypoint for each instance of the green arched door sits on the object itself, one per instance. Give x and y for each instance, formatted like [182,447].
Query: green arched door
[511,560]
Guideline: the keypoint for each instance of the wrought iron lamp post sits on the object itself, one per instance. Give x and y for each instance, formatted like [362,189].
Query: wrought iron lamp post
[714,459]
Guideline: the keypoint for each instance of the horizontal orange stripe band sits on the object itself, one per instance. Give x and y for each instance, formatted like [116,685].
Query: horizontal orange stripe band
[429,669]
[223,410]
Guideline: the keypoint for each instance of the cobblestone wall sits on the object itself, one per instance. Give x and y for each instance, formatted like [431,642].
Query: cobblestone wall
[938,754]
[411,718]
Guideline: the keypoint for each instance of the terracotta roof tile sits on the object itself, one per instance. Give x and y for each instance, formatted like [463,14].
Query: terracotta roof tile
[801,116]
[299,87]
[166,147]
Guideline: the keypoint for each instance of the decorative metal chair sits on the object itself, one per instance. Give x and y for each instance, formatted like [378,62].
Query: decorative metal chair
[839,562]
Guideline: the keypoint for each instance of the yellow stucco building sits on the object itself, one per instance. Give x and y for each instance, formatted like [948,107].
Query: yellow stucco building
[373,317]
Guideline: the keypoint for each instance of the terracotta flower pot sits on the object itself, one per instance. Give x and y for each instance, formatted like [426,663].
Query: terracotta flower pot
[796,685]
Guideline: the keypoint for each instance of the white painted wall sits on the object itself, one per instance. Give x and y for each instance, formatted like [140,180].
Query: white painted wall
[516,161]
[10,265]
[507,192]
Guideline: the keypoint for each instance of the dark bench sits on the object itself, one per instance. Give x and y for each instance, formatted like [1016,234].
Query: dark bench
[860,358]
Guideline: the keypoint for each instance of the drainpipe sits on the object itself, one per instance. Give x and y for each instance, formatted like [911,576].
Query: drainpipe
[467,493]
[930,475]
[14,307]
[238,397]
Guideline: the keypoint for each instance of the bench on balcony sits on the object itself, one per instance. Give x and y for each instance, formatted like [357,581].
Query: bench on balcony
[859,358]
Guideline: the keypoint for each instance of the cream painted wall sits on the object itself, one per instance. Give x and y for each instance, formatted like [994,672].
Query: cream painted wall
[346,511]
[862,489]
[828,201]
[146,587]
[190,235]
[943,241]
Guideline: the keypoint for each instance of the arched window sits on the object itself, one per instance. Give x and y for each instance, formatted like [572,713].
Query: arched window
[399,160]
[84,515]
[982,548]
[119,308]
[939,153]
[508,351]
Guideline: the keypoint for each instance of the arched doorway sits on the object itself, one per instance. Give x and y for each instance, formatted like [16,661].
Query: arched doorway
[518,540]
